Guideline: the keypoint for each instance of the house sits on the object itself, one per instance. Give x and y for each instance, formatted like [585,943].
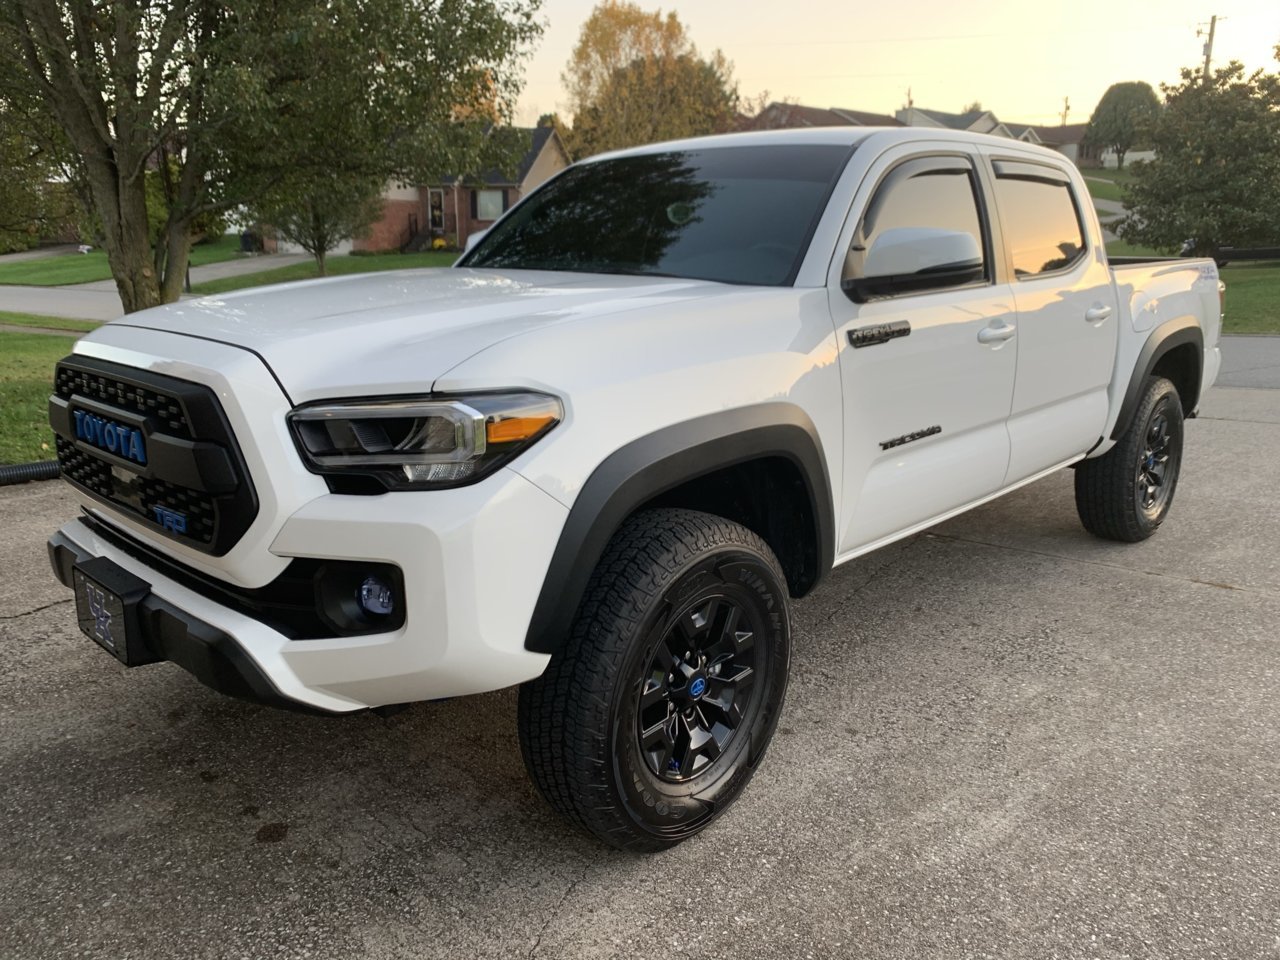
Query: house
[1067,139]
[783,116]
[455,206]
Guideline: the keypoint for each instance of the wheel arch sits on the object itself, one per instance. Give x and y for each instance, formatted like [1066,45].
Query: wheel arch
[1175,350]
[681,465]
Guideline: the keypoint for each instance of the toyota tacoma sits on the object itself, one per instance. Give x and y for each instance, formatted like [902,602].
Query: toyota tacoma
[654,403]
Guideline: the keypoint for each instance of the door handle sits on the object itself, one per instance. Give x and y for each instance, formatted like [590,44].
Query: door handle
[1097,314]
[997,334]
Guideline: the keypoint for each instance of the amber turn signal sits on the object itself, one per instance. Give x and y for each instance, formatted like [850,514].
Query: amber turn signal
[515,429]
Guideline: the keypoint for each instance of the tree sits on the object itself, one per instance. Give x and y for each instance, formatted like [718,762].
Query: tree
[652,100]
[24,196]
[974,107]
[1215,178]
[1122,116]
[329,211]
[636,77]
[231,100]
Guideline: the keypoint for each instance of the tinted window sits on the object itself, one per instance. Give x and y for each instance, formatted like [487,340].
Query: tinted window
[926,196]
[1040,223]
[734,214]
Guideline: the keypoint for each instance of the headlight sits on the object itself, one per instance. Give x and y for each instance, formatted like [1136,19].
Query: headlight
[418,443]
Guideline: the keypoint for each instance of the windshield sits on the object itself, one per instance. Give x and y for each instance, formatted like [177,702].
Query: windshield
[732,214]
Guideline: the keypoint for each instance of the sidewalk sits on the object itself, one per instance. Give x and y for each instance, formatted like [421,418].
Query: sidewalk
[99,301]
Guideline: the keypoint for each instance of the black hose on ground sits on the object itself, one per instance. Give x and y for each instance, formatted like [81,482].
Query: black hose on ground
[26,472]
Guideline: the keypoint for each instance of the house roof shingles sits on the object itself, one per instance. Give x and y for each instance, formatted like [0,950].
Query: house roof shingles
[779,116]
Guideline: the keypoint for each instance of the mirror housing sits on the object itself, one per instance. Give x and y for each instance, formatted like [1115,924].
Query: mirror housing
[912,259]
[473,239]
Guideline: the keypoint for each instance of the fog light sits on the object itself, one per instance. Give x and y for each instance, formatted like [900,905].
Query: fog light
[376,597]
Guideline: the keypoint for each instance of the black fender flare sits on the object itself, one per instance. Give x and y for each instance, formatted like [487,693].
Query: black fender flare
[658,462]
[1169,335]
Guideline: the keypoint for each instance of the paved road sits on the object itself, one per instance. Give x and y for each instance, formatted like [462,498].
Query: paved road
[1002,739]
[99,301]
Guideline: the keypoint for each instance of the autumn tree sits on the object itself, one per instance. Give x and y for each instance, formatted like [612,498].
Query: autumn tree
[635,77]
[1125,112]
[227,100]
[1215,178]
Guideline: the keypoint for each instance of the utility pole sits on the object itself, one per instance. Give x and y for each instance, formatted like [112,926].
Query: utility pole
[1208,46]
[1066,108]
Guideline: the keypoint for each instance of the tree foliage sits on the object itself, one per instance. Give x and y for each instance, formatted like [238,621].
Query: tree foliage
[1215,178]
[233,101]
[635,77]
[329,210]
[1122,117]
[24,188]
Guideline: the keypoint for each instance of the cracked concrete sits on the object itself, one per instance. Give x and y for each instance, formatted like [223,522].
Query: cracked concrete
[1002,739]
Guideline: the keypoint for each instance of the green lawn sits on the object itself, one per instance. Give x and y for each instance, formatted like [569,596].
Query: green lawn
[1253,298]
[73,268]
[1122,248]
[335,266]
[26,380]
[1106,184]
[48,323]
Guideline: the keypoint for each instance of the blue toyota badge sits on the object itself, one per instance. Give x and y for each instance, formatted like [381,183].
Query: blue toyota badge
[698,687]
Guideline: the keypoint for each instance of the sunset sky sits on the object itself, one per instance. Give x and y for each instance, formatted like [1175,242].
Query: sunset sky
[1019,59]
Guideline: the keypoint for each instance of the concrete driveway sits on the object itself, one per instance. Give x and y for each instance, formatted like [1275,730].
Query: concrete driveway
[1003,739]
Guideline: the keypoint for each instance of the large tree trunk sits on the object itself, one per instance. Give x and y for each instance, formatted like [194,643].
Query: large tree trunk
[177,254]
[122,204]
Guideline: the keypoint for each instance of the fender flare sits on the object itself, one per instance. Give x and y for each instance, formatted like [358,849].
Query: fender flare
[661,461]
[1167,336]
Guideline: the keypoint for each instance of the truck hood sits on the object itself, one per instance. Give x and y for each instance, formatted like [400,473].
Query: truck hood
[398,331]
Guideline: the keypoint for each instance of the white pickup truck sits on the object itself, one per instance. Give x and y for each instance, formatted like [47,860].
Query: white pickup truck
[662,396]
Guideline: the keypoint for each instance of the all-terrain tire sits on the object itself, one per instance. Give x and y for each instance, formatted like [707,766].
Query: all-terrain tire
[652,718]
[1126,493]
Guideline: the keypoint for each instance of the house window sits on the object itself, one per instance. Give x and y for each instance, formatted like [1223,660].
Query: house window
[489,204]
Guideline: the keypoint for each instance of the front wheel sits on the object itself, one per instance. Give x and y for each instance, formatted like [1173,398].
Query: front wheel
[653,718]
[1126,493]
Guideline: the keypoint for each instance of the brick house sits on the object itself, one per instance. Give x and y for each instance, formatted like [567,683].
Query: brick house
[455,206]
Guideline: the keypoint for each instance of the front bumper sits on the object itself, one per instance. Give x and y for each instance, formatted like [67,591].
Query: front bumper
[473,561]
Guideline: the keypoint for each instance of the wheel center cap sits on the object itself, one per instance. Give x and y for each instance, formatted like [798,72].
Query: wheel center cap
[697,686]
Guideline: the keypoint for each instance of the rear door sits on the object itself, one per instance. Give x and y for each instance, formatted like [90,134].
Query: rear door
[928,374]
[1067,313]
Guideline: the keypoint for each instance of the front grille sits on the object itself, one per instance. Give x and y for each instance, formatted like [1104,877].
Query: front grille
[193,487]
[123,395]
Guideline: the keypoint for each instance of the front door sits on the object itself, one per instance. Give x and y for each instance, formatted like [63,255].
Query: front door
[928,374]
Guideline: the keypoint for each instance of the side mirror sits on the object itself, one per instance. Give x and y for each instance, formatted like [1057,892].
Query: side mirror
[473,239]
[911,259]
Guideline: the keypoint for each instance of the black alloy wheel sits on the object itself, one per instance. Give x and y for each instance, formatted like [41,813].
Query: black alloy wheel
[697,690]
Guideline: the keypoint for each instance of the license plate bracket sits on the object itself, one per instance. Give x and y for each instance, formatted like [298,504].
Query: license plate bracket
[108,598]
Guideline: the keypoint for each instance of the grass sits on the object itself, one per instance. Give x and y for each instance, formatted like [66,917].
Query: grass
[1122,248]
[1106,184]
[1253,298]
[66,269]
[26,380]
[336,266]
[48,323]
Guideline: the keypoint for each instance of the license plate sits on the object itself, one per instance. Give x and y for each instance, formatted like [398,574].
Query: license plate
[107,598]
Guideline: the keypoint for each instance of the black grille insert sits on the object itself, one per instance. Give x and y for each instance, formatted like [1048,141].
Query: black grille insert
[193,486]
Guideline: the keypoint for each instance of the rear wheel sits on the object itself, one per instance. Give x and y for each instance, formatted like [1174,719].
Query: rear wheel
[652,719]
[1126,493]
